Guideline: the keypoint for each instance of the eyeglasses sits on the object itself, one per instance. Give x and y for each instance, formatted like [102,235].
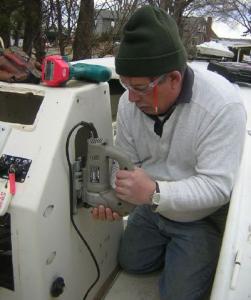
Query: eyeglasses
[143,89]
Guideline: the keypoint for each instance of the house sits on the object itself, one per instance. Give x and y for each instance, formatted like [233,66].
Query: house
[240,47]
[104,21]
[195,31]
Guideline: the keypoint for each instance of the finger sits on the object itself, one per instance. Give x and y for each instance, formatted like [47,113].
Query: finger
[94,213]
[123,174]
[123,183]
[101,213]
[109,215]
[121,191]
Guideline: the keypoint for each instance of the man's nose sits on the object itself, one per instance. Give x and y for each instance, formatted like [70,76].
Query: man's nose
[133,96]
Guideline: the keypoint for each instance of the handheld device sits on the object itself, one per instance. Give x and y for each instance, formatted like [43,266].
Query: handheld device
[98,188]
[56,71]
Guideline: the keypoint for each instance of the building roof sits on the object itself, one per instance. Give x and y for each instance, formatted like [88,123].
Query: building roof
[236,43]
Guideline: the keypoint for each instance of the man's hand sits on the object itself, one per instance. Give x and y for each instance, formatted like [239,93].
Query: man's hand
[104,214]
[135,186]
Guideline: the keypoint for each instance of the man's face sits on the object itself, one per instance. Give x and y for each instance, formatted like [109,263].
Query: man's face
[147,92]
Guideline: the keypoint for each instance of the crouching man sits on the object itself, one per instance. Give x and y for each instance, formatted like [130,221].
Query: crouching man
[184,129]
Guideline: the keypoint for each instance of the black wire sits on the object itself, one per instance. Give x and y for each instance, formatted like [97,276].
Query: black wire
[93,131]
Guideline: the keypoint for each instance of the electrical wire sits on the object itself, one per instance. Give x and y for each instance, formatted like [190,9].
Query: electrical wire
[93,131]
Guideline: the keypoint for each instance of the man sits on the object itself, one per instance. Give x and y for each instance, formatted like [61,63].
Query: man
[184,129]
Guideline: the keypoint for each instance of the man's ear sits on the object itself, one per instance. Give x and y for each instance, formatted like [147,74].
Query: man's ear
[175,78]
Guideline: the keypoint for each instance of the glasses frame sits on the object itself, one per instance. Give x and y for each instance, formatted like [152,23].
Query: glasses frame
[149,87]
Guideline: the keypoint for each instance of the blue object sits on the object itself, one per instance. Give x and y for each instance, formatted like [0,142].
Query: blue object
[96,73]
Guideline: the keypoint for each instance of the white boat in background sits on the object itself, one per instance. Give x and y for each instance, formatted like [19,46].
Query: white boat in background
[247,58]
[214,49]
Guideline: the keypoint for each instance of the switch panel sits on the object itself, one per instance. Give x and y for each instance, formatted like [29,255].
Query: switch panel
[17,164]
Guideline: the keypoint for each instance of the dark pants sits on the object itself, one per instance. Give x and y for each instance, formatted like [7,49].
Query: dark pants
[187,252]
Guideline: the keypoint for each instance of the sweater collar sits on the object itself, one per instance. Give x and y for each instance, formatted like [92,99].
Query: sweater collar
[186,92]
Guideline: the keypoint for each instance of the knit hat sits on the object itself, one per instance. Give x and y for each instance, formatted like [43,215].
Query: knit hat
[151,45]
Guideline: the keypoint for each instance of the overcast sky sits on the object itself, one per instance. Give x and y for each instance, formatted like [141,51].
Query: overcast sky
[224,30]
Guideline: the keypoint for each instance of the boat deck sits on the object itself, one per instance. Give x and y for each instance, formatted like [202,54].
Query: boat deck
[134,287]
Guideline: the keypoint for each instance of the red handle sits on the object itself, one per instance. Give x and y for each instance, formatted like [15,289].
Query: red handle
[12,179]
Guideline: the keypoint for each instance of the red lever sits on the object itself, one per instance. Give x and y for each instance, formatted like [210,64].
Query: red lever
[12,179]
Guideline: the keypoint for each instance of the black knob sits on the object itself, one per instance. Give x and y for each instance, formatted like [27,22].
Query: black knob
[57,287]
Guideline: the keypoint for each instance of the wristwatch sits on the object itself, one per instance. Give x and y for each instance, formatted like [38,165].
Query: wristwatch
[155,198]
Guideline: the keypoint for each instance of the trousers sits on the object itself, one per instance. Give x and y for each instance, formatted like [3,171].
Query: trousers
[187,252]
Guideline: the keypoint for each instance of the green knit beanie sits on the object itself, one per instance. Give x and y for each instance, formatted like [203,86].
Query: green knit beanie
[151,45]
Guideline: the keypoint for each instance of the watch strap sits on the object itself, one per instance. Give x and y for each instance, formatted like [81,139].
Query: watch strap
[156,194]
[157,188]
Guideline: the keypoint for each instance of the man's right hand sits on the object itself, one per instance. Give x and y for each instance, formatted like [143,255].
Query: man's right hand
[104,214]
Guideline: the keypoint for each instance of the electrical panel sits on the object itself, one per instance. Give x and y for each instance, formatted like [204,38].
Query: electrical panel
[19,165]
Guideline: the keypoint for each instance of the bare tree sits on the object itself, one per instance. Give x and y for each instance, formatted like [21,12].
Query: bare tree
[70,14]
[119,11]
[231,11]
[60,21]
[33,35]
[7,7]
[84,32]
[76,20]
[17,24]
[238,11]
[175,8]
[60,26]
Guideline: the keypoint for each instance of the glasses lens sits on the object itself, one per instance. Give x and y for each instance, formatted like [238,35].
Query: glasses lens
[144,88]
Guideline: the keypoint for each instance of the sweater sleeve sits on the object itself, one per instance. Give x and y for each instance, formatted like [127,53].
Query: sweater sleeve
[124,140]
[218,148]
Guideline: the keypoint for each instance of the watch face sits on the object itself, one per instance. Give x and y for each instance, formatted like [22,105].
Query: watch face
[156,198]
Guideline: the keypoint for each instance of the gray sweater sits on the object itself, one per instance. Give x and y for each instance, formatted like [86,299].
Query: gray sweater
[196,160]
